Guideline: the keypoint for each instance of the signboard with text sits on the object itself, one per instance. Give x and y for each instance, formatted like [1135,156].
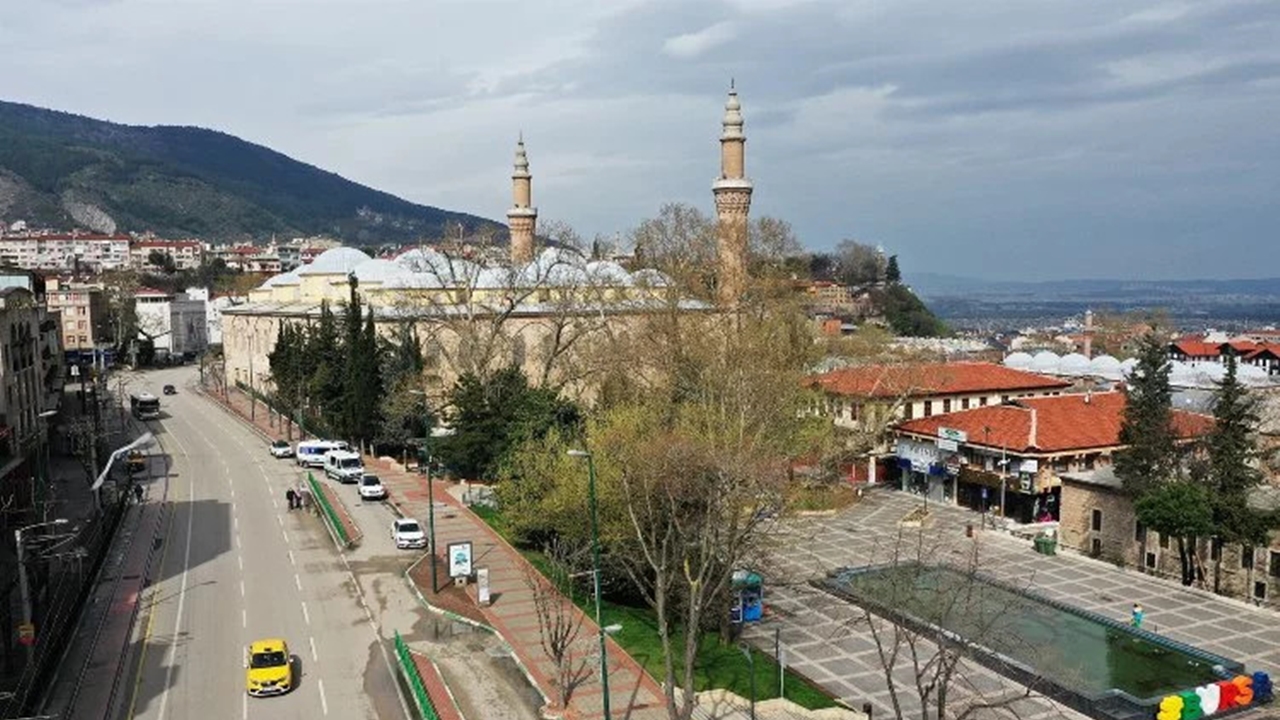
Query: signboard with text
[459,559]
[955,436]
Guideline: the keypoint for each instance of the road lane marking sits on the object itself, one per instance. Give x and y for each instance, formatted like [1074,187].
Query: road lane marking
[235,521]
[274,504]
[237,541]
[297,581]
[305,615]
[240,562]
[280,520]
[244,706]
[285,534]
[241,588]
[151,616]
[291,560]
[182,589]
[324,704]
[244,618]
[314,657]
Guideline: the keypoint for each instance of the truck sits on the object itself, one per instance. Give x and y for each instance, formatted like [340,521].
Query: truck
[145,406]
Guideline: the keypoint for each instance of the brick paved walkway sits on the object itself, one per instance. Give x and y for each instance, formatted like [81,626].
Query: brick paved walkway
[441,700]
[633,693]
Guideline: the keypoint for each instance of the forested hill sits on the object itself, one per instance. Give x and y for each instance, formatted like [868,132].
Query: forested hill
[62,170]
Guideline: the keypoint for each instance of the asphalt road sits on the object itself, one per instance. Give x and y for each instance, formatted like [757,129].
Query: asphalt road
[238,566]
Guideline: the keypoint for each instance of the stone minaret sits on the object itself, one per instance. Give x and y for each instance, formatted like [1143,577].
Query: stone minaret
[522,218]
[733,202]
[1088,333]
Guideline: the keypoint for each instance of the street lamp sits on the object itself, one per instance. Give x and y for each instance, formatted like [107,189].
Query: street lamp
[142,441]
[42,457]
[751,668]
[23,590]
[595,565]
[424,459]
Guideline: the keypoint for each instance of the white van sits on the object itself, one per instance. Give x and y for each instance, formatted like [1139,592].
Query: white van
[344,466]
[311,453]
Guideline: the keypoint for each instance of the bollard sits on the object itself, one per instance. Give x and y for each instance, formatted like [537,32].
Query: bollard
[866,706]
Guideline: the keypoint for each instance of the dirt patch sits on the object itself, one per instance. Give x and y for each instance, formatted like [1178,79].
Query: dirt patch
[451,597]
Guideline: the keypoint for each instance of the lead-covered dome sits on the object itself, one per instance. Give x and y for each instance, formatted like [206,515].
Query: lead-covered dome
[335,261]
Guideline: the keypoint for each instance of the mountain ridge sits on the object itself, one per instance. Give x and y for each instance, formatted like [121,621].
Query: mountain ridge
[60,169]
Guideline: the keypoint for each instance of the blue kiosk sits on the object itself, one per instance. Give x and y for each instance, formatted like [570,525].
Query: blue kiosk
[747,593]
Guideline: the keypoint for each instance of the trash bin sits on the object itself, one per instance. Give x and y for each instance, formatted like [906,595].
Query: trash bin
[1050,546]
[1038,544]
[968,530]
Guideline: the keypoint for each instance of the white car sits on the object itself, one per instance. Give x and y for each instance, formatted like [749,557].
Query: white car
[407,534]
[281,449]
[371,488]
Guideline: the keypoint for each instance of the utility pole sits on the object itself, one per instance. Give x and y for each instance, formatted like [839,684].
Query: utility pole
[595,566]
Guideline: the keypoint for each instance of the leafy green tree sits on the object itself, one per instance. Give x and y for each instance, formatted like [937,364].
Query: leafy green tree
[1150,455]
[906,313]
[491,417]
[1182,510]
[1233,469]
[891,272]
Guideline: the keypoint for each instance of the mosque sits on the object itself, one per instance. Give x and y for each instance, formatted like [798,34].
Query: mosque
[539,310]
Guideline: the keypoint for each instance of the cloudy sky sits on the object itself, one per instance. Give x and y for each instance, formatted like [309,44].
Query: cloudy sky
[993,138]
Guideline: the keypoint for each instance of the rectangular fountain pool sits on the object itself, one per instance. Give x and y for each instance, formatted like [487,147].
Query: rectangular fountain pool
[1089,656]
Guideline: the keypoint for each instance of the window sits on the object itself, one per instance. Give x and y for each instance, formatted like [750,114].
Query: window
[1246,557]
[1275,564]
[1151,560]
[1164,542]
[928,408]
[946,405]
[982,401]
[908,410]
[1097,521]
[964,404]
[1089,462]
[1095,547]
[1260,590]
[1139,532]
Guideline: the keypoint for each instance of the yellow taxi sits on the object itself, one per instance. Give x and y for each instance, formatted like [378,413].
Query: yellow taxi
[268,668]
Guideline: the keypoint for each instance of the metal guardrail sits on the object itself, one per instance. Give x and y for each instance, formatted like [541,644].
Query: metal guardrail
[330,515]
[411,675]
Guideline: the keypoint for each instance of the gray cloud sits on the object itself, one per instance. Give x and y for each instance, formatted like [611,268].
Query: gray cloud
[999,138]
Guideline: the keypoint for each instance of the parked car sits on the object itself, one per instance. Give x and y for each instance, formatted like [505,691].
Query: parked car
[311,452]
[170,390]
[371,488]
[344,466]
[407,534]
[281,449]
[268,668]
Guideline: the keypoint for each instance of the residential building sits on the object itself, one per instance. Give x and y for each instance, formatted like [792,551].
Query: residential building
[186,254]
[30,383]
[83,312]
[73,252]
[1010,458]
[176,324]
[290,257]
[1258,348]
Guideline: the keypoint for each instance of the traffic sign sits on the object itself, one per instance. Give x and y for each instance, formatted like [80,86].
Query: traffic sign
[26,633]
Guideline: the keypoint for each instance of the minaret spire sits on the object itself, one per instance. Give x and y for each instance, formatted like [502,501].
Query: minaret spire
[732,191]
[522,218]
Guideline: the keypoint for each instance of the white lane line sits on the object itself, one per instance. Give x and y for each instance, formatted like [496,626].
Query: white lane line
[280,521]
[324,704]
[240,562]
[306,615]
[235,522]
[297,581]
[233,492]
[291,560]
[274,504]
[237,541]
[241,588]
[314,656]
[244,706]
[244,618]
[285,534]
[182,590]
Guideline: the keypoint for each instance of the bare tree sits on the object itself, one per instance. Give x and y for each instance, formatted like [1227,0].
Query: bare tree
[559,620]
[931,616]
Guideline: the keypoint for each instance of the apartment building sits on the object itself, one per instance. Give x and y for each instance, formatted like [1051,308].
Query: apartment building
[73,252]
[186,254]
[176,324]
[82,311]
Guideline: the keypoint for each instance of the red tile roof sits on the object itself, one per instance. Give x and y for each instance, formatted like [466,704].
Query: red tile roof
[1050,424]
[1271,349]
[1197,348]
[928,379]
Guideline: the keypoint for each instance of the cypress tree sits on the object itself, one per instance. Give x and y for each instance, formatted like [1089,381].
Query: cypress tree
[1150,456]
[892,274]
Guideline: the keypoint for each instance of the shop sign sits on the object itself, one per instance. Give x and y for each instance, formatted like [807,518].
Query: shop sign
[955,436]
[1234,694]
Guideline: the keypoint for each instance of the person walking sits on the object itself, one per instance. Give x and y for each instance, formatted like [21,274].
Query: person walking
[292,497]
[1137,615]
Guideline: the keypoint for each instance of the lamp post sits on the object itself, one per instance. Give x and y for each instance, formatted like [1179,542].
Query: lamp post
[42,459]
[23,590]
[424,460]
[751,668]
[595,566]
[142,441]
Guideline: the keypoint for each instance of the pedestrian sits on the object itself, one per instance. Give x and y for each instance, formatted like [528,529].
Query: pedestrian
[1136,618]
[137,492]
[292,497]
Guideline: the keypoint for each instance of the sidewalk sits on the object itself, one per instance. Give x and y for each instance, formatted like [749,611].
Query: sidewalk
[91,679]
[633,693]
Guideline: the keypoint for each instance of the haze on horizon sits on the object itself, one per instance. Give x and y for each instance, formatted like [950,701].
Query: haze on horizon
[996,139]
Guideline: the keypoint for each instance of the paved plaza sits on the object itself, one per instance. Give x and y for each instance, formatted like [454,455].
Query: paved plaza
[824,640]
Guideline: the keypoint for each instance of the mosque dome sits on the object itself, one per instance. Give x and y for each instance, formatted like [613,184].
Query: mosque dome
[335,261]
